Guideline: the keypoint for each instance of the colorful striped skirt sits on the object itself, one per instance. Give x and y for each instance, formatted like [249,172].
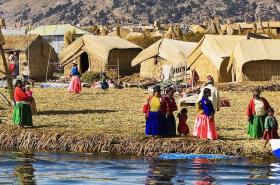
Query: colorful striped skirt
[205,128]
[75,85]
[22,114]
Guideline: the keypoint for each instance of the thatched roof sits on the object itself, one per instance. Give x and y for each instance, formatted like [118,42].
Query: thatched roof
[57,30]
[95,45]
[123,31]
[170,34]
[215,47]
[19,42]
[174,51]
[256,50]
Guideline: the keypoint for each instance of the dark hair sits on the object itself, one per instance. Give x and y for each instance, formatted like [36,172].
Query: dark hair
[270,110]
[183,110]
[206,91]
[18,82]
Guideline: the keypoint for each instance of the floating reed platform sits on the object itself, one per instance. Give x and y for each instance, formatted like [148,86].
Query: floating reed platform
[76,141]
[112,121]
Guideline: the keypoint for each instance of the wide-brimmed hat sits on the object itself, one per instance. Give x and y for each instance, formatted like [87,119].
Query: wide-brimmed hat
[156,88]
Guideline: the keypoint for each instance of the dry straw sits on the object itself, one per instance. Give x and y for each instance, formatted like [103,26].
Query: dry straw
[112,121]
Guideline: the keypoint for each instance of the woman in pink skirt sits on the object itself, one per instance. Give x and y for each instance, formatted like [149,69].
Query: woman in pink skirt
[205,124]
[75,84]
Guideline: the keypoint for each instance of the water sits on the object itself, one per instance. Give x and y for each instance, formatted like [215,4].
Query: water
[69,168]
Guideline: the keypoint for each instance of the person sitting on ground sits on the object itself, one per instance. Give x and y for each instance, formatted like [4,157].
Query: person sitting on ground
[256,113]
[152,112]
[271,127]
[75,84]
[22,115]
[183,128]
[32,100]
[104,84]
[205,124]
[169,106]
[215,96]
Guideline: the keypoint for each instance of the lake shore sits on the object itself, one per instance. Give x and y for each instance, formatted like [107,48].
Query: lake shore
[112,121]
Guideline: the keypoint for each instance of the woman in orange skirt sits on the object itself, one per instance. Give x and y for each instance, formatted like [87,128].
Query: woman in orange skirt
[205,124]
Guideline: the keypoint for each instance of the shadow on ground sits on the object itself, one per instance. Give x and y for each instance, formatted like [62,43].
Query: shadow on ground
[68,112]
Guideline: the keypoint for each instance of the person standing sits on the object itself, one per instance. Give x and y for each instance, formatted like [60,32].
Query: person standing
[271,127]
[205,127]
[169,106]
[75,84]
[22,115]
[104,84]
[152,112]
[215,96]
[256,113]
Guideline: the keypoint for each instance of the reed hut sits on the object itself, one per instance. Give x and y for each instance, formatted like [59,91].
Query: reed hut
[212,55]
[255,60]
[97,53]
[122,32]
[33,50]
[165,52]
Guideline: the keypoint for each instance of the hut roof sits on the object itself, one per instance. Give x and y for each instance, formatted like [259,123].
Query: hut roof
[256,50]
[57,30]
[123,31]
[19,42]
[172,50]
[197,28]
[215,47]
[95,45]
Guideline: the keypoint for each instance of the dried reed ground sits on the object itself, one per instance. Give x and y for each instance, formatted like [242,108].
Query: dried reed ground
[112,121]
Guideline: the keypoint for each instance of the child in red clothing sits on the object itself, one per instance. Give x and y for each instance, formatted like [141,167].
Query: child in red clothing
[183,128]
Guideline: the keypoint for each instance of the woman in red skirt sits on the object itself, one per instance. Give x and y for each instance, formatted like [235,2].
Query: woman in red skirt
[183,128]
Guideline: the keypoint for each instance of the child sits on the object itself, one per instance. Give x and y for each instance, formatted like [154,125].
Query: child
[183,128]
[271,127]
[32,103]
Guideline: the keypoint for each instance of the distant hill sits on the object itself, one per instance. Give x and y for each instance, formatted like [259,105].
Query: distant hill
[89,12]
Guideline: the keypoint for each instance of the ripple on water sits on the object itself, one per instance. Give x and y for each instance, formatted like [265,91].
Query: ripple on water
[71,168]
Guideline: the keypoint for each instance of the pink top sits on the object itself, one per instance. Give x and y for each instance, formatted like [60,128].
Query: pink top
[29,93]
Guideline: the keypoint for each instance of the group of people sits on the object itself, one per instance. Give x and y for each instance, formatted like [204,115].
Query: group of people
[160,121]
[75,85]
[25,105]
[261,119]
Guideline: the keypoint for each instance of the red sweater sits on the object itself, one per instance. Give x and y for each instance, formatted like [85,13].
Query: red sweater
[251,107]
[20,95]
[168,105]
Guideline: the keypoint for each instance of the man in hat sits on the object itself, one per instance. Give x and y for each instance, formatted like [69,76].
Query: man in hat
[215,96]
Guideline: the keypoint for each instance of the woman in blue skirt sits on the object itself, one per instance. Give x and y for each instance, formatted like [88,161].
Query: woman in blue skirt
[152,112]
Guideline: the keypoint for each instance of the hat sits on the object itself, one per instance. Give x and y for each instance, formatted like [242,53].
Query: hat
[74,63]
[256,92]
[27,86]
[156,88]
[169,89]
[210,79]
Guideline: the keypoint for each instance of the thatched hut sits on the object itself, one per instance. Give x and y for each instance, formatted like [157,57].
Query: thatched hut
[35,51]
[212,54]
[120,31]
[255,60]
[96,53]
[165,52]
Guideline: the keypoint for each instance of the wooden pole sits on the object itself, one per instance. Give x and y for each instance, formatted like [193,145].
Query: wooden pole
[8,75]
[118,63]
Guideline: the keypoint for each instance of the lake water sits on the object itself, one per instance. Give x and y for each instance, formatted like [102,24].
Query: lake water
[70,168]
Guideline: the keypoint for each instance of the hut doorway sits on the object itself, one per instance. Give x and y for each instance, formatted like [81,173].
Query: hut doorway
[84,62]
